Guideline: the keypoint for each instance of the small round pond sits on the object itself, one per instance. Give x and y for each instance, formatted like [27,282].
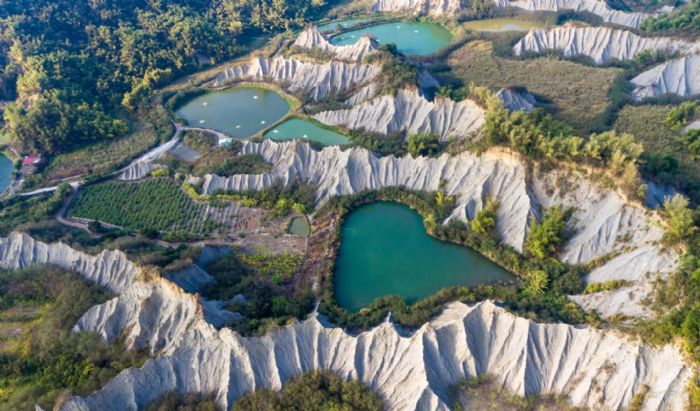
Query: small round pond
[299,227]
[384,250]
[502,24]
[306,130]
[240,112]
[417,38]
[6,168]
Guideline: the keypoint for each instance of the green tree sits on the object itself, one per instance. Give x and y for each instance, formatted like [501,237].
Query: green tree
[423,144]
[537,281]
[485,221]
[680,222]
[546,236]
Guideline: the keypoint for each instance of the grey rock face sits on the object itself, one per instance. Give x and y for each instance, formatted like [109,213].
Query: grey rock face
[602,44]
[517,100]
[411,371]
[408,111]
[680,77]
[297,76]
[311,38]
[450,7]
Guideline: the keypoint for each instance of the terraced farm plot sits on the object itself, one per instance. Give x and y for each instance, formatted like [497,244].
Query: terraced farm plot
[154,204]
[580,93]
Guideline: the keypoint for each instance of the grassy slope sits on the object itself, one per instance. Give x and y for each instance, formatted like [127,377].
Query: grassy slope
[580,93]
[646,123]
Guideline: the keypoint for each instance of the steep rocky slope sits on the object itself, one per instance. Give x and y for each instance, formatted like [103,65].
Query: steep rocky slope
[517,100]
[450,7]
[680,77]
[408,111]
[311,38]
[602,44]
[603,223]
[411,370]
[297,76]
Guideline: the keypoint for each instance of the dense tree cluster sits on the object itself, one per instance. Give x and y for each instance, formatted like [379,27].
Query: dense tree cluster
[74,67]
[539,137]
[314,391]
[685,17]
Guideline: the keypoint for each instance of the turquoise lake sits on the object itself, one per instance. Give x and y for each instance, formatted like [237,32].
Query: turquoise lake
[385,250]
[305,130]
[417,38]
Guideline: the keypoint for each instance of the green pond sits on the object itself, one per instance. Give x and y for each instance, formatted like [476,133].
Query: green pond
[306,130]
[504,24]
[240,112]
[337,25]
[6,168]
[384,250]
[417,38]
[299,227]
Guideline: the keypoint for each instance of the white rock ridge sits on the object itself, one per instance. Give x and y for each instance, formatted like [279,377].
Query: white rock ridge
[411,371]
[409,111]
[317,80]
[450,7]
[311,38]
[517,100]
[602,44]
[680,77]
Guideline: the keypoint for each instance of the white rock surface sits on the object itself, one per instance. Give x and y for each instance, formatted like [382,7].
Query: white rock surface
[680,77]
[318,80]
[602,44]
[694,125]
[517,100]
[110,269]
[408,111]
[431,7]
[139,170]
[411,370]
[452,7]
[603,223]
[311,38]
[598,7]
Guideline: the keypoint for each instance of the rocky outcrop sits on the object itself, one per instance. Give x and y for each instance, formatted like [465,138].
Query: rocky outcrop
[411,370]
[139,170]
[296,76]
[517,100]
[110,269]
[599,8]
[450,7]
[408,111]
[602,44]
[430,7]
[311,38]
[603,223]
[680,77]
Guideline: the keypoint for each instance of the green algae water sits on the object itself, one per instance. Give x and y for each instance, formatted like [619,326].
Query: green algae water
[502,24]
[240,112]
[384,250]
[6,168]
[416,38]
[299,227]
[306,130]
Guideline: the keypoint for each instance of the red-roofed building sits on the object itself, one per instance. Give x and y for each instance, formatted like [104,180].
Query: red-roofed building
[32,161]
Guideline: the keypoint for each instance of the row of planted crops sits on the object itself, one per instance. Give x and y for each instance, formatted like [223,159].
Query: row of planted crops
[156,204]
